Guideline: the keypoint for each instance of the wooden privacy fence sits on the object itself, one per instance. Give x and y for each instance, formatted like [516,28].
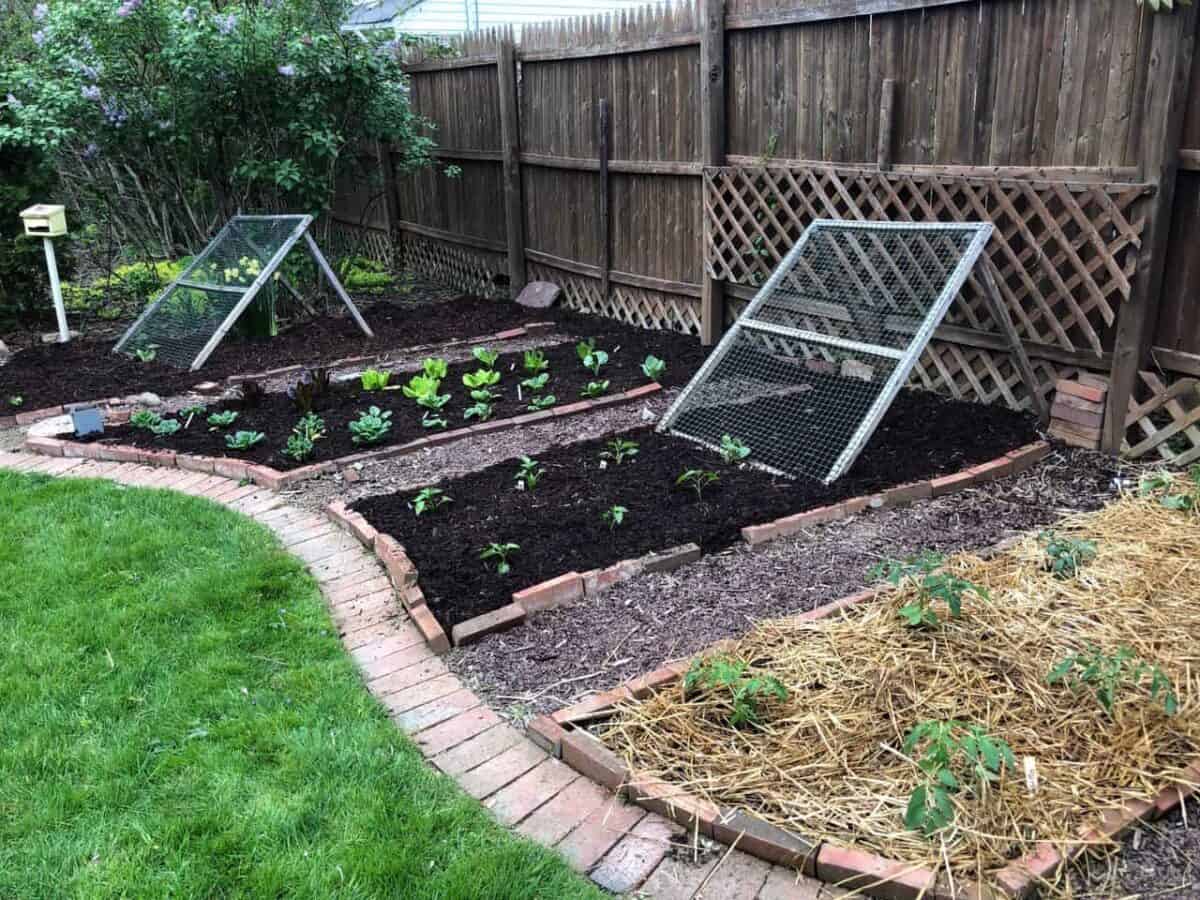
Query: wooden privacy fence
[658,165]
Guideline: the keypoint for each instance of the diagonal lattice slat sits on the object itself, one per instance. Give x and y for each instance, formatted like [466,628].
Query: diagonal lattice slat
[1065,253]
[644,308]
[1164,419]
[480,272]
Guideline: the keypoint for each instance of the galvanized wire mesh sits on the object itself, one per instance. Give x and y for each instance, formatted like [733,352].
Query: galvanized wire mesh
[182,324]
[808,370]
[241,251]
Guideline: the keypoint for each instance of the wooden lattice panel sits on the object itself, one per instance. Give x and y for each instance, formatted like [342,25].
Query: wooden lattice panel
[478,272]
[1065,253]
[653,310]
[373,243]
[1164,419]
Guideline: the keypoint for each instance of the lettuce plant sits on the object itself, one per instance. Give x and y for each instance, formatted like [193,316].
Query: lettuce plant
[244,440]
[594,389]
[534,361]
[371,426]
[222,419]
[375,380]
[653,367]
[145,419]
[487,358]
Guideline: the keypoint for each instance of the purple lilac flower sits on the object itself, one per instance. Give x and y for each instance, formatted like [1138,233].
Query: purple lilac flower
[189,14]
[288,71]
[91,73]
[86,43]
[114,113]
[40,11]
[14,102]
[90,92]
[91,151]
[128,8]
[39,37]
[226,24]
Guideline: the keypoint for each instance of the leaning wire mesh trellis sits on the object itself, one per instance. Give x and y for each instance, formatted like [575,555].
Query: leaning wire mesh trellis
[807,372]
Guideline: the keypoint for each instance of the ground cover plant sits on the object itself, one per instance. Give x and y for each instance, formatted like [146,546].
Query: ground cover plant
[1041,707]
[49,374]
[358,418]
[559,523]
[181,720]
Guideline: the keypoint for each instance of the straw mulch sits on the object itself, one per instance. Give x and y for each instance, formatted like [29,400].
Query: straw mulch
[828,761]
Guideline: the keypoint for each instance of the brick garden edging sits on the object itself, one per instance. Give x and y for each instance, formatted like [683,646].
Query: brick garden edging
[112,403]
[572,586]
[562,735]
[619,846]
[274,479]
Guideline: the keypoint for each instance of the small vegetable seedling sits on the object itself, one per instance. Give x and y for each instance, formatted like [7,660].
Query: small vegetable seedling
[529,473]
[375,380]
[594,389]
[1066,555]
[537,404]
[614,516]
[726,681]
[371,426]
[733,450]
[653,367]
[487,358]
[244,440]
[145,419]
[697,480]
[222,419]
[618,450]
[535,361]
[1109,674]
[500,552]
[429,499]
[948,746]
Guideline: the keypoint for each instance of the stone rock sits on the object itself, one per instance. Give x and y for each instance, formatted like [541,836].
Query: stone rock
[5,353]
[207,387]
[51,337]
[52,427]
[147,398]
[539,295]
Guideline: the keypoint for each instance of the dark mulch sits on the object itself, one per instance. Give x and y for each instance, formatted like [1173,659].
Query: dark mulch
[276,415]
[83,370]
[1160,859]
[559,527]
[562,654]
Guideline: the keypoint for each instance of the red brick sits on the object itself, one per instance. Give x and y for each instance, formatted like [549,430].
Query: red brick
[395,661]
[1084,391]
[387,644]
[1073,439]
[81,451]
[787,884]
[835,606]
[230,468]
[508,334]
[572,408]
[854,869]
[409,676]
[548,594]
[636,855]
[656,795]
[362,529]
[532,418]
[1077,403]
[36,415]
[477,628]
[413,698]
[8,421]
[766,841]
[195,463]
[1060,412]
[598,833]
[540,326]
[44,445]
[1019,878]
[670,560]
[593,707]
[477,750]
[412,597]
[265,476]
[788,525]
[992,470]
[434,635]
[904,494]
[652,682]
[679,878]
[515,801]
[160,458]
[399,567]
[446,735]
[738,878]
[447,437]
[440,709]
[586,755]
[554,821]
[949,484]
[547,734]
[501,770]
[1171,797]
[493,426]
[597,581]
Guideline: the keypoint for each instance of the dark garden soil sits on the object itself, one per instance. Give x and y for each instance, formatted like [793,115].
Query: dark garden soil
[84,370]
[559,527]
[1160,859]
[276,414]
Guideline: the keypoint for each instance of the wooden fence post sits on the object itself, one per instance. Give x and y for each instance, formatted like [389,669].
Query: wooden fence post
[605,200]
[887,103]
[712,131]
[1170,64]
[510,139]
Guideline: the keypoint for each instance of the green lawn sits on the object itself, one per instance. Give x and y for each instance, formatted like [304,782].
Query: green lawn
[178,719]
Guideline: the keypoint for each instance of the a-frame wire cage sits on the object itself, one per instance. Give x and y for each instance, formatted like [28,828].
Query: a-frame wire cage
[196,310]
[806,373]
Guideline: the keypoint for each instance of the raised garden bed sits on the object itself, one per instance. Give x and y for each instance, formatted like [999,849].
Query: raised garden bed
[564,539]
[1082,770]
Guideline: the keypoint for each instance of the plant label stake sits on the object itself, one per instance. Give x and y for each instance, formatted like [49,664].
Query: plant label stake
[48,221]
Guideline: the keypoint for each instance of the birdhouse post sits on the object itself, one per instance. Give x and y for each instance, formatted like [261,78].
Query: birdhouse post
[48,221]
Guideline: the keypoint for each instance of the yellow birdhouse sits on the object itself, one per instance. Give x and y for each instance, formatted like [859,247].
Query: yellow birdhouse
[45,220]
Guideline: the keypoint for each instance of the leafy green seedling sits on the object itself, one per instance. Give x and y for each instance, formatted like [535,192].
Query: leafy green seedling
[487,358]
[147,354]
[244,440]
[500,552]
[429,420]
[931,584]
[584,348]
[537,404]
[529,473]
[191,412]
[1108,674]
[165,427]
[726,681]
[534,361]
[421,386]
[222,419]
[594,389]
[433,402]
[614,516]
[145,419]
[371,426]
[16,401]
[375,380]
[618,450]
[733,450]
[951,750]
[535,384]
[1183,497]
[429,499]
[595,361]
[481,411]
[697,480]
[435,367]
[484,395]
[1066,555]
[653,367]
[481,378]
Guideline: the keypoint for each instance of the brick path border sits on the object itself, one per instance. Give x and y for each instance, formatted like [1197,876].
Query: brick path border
[571,586]
[619,845]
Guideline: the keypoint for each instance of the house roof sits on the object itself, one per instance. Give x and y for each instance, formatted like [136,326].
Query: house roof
[378,12]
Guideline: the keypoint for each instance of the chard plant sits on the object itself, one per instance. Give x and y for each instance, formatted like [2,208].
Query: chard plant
[1065,556]
[614,516]
[429,420]
[147,354]
[534,361]
[435,367]
[727,680]
[932,586]
[165,427]
[145,419]
[310,387]
[501,553]
[950,752]
[537,404]
[594,389]
[733,450]
[595,361]
[697,480]
[618,450]
[253,394]
[653,367]
[371,426]
[302,442]
[481,378]
[429,499]
[244,440]
[535,384]
[1108,675]
[486,358]
[374,380]
[529,473]
[481,411]
[222,419]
